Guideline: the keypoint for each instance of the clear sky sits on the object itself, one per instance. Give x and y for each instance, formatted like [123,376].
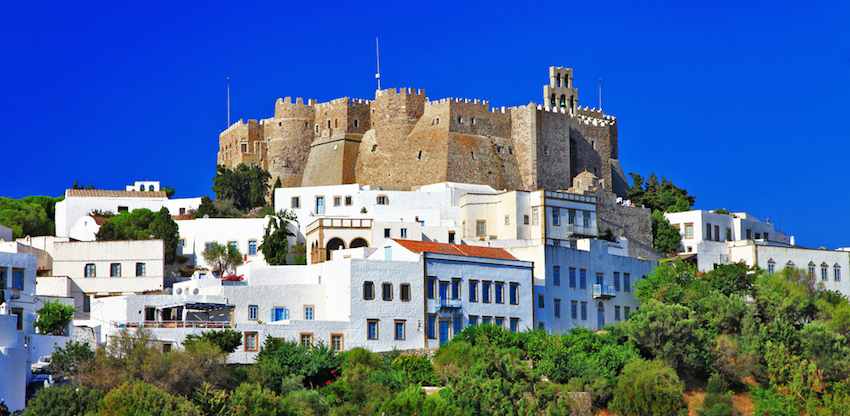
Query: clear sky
[745,104]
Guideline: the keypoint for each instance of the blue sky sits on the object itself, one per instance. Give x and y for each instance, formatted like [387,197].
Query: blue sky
[744,104]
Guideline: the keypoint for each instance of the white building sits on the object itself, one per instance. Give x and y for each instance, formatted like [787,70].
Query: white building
[104,268]
[403,295]
[830,267]
[19,344]
[82,202]
[705,234]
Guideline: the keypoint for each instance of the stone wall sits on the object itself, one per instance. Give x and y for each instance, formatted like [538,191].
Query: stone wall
[634,223]
[289,135]
[241,143]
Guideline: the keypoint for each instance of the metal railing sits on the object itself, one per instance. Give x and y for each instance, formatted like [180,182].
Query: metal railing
[603,291]
[575,229]
[172,324]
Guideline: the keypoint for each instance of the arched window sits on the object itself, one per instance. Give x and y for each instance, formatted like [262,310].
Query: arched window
[358,242]
[563,100]
[553,99]
[335,244]
[558,80]
[771,266]
[600,305]
[142,187]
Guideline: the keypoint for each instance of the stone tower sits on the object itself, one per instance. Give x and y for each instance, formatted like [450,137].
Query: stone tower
[560,92]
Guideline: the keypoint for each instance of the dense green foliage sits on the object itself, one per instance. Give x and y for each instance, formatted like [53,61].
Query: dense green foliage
[73,358]
[275,246]
[143,224]
[222,257]
[246,187]
[661,197]
[227,340]
[66,400]
[54,317]
[279,360]
[142,399]
[648,388]
[30,216]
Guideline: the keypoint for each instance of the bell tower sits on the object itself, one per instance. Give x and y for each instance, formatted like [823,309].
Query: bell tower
[560,92]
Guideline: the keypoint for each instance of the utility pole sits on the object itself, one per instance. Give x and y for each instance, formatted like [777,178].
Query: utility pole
[378,59]
[228,101]
[600,94]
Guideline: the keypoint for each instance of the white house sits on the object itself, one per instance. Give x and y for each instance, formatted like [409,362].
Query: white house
[830,267]
[81,202]
[706,234]
[19,344]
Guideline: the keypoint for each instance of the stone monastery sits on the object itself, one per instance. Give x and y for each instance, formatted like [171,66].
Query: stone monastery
[403,139]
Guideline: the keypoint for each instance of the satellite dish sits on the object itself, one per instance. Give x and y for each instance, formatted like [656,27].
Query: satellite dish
[206,215]
[179,290]
[195,291]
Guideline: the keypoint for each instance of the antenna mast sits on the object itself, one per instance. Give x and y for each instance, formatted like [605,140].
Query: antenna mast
[600,94]
[378,59]
[228,101]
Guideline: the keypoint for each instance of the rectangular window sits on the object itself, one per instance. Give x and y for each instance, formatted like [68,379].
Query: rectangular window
[457,324]
[387,232]
[585,217]
[252,247]
[455,288]
[123,209]
[90,270]
[556,275]
[617,281]
[708,231]
[557,308]
[337,201]
[432,282]
[572,277]
[399,330]
[115,270]
[717,233]
[480,228]
[485,292]
[473,320]
[571,217]
[140,269]
[336,342]
[207,245]
[811,271]
[150,313]
[525,219]
[86,303]
[616,313]
[451,237]
[306,340]
[382,200]
[500,292]
[348,200]
[252,312]
[574,309]
[308,312]
[556,216]
[432,327]
[233,245]
[404,233]
[515,324]
[485,320]
[405,292]
[514,294]
[728,234]
[387,291]
[279,314]
[181,242]
[251,341]
[627,312]
[758,236]
[689,230]
[372,329]
[507,220]
[320,205]
[766,236]
[541,326]
[473,291]
[824,273]
[582,277]
[534,217]
[749,234]
[837,273]
[368,290]
[627,282]
[296,202]
[584,311]
[500,322]
[771,268]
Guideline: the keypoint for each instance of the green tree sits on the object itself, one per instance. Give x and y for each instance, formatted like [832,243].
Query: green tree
[280,359]
[169,191]
[665,237]
[65,400]
[246,187]
[143,224]
[25,218]
[228,340]
[73,358]
[670,333]
[275,246]
[254,400]
[648,388]
[54,317]
[142,399]
[662,196]
[277,184]
[207,207]
[718,400]
[223,257]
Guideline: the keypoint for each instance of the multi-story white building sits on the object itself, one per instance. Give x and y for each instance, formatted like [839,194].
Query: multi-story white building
[403,295]
[82,202]
[705,234]
[830,267]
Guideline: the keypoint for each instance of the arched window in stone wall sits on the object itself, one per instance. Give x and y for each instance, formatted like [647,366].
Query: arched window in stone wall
[563,100]
[141,187]
[553,99]
[558,80]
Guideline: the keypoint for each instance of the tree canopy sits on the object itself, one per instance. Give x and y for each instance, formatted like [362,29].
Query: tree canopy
[246,187]
[54,317]
[661,197]
[30,216]
[143,224]
[275,246]
[222,257]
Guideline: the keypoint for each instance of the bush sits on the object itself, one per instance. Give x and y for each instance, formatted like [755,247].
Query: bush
[252,400]
[648,388]
[416,369]
[64,400]
[228,340]
[54,317]
[143,399]
[717,401]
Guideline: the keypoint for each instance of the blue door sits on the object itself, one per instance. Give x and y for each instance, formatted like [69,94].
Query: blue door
[444,290]
[445,328]
[601,317]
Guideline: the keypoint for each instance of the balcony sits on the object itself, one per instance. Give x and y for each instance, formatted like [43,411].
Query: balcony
[447,303]
[603,292]
[575,229]
[172,324]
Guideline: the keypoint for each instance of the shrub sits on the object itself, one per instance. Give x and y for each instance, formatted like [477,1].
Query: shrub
[143,399]
[416,369]
[228,340]
[64,400]
[252,400]
[648,388]
[717,401]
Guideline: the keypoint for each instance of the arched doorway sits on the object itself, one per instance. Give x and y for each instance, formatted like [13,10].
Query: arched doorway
[334,244]
[358,242]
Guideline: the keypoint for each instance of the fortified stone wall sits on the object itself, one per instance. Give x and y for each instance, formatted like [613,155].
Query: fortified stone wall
[289,135]
[553,148]
[634,223]
[239,144]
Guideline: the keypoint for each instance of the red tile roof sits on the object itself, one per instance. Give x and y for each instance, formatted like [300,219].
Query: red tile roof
[455,249]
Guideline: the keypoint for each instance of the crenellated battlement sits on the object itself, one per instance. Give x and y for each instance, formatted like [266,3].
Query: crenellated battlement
[392,91]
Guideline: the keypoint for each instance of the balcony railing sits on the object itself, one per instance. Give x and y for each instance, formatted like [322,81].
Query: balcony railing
[603,292]
[447,303]
[575,229]
[172,324]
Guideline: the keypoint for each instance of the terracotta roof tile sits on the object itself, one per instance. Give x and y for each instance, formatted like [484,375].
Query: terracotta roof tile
[455,249]
[102,193]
